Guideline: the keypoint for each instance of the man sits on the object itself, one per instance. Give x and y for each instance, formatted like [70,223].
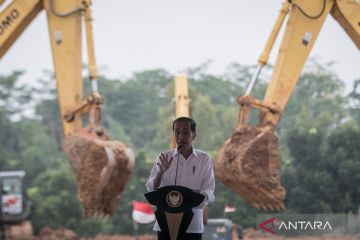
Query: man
[188,167]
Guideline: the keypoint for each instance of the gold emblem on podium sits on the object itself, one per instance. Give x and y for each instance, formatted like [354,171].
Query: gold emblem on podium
[174,199]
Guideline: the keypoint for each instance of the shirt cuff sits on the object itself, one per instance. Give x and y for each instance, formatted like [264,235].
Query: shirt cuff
[150,185]
[209,196]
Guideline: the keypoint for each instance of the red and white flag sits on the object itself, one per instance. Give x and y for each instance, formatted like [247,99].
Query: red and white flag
[143,212]
[229,208]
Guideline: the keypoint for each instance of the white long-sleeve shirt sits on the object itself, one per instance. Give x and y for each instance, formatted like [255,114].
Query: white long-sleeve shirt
[195,173]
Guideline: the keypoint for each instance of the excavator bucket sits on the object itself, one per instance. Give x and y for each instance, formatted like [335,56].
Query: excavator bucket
[248,163]
[102,168]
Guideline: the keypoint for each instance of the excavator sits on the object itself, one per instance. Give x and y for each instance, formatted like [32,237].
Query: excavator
[102,166]
[248,162]
[15,206]
[181,100]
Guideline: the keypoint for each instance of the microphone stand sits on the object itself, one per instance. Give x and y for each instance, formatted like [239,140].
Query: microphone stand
[177,164]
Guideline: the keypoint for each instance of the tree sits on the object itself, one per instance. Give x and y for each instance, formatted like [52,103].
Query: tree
[354,101]
[313,129]
[342,161]
[319,133]
[13,99]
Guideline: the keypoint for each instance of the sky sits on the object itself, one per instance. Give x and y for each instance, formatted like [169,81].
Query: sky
[135,35]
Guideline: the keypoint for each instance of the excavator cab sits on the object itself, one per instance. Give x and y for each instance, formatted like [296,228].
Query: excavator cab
[14,204]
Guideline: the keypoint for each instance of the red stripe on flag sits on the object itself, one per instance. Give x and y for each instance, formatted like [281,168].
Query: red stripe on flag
[143,207]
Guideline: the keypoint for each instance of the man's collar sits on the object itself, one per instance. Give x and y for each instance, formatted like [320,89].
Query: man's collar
[193,151]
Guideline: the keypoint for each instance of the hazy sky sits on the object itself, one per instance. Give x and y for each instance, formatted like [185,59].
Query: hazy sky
[134,35]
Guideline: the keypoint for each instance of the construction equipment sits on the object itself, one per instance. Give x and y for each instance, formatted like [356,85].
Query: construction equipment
[222,229]
[248,162]
[14,205]
[181,101]
[102,166]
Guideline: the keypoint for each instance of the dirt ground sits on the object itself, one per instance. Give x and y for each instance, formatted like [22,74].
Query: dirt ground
[325,237]
[65,234]
[252,234]
[249,234]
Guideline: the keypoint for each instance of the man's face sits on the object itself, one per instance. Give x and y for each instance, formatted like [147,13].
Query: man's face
[183,134]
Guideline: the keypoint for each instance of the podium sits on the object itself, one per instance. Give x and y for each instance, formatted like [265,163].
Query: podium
[174,209]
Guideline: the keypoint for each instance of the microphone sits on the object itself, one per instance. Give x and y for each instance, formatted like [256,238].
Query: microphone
[179,147]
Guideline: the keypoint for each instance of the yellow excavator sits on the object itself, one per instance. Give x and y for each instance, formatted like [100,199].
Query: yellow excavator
[248,162]
[181,100]
[102,166]
[15,206]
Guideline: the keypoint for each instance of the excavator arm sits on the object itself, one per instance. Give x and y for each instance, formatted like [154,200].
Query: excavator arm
[102,166]
[181,101]
[298,41]
[248,162]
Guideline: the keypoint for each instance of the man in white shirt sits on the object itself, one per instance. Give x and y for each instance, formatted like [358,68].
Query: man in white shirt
[188,167]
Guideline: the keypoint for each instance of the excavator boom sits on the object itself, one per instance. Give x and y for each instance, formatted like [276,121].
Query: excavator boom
[248,162]
[102,166]
[181,101]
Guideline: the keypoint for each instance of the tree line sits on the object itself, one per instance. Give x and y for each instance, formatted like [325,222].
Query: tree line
[319,134]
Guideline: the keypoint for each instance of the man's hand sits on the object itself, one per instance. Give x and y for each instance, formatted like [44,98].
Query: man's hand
[165,163]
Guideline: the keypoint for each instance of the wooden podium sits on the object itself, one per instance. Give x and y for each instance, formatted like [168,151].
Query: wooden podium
[174,208]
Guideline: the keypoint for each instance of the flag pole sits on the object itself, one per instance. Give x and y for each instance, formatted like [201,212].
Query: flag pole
[136,227]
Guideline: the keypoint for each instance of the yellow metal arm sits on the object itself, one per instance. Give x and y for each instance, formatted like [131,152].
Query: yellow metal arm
[14,19]
[66,44]
[91,152]
[299,37]
[248,162]
[181,100]
[65,29]
[347,13]
[306,17]
[90,43]
[264,57]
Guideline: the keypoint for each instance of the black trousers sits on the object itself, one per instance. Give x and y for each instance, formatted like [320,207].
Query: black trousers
[188,236]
